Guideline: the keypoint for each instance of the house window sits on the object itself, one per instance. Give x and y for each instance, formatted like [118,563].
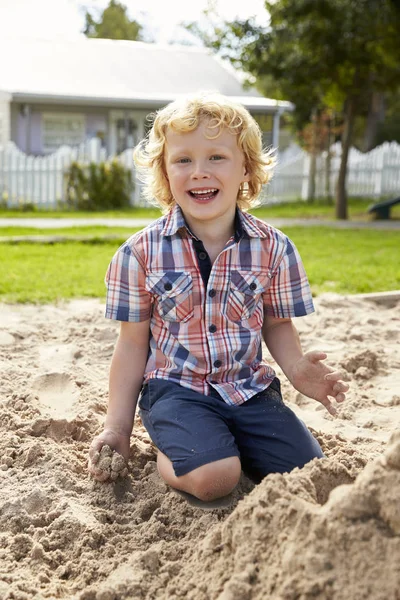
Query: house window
[62,129]
[126,134]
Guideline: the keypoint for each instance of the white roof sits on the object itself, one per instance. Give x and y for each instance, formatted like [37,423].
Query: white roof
[112,72]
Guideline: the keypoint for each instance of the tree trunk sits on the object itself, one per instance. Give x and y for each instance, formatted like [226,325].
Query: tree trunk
[311,177]
[313,159]
[328,162]
[341,194]
[376,114]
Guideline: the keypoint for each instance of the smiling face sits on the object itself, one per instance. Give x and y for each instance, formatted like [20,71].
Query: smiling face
[205,174]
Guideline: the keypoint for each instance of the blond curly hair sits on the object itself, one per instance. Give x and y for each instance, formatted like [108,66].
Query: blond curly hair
[185,115]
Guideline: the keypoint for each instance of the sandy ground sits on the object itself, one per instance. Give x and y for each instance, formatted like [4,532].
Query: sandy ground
[330,530]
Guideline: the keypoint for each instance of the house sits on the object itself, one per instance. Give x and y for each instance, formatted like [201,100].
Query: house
[56,92]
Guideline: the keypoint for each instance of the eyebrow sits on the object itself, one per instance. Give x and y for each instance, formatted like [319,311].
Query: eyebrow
[186,151]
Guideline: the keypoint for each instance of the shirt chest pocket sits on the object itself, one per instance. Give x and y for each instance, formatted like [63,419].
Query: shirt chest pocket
[245,296]
[173,294]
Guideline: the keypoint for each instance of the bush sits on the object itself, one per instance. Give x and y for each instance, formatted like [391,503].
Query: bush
[102,186]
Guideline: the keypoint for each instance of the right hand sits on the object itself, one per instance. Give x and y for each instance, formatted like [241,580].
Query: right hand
[117,441]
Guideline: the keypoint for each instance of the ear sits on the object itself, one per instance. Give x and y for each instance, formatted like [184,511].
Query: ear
[246,175]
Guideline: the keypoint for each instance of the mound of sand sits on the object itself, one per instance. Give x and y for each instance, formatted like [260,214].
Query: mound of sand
[328,531]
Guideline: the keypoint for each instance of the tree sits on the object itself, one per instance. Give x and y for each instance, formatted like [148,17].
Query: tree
[113,24]
[323,54]
[389,128]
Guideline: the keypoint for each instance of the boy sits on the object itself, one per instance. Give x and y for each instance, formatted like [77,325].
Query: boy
[195,292]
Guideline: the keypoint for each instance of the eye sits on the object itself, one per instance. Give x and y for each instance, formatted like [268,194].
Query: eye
[216,157]
[183,161]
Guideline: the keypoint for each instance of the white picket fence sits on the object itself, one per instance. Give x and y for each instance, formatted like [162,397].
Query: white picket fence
[41,180]
[374,174]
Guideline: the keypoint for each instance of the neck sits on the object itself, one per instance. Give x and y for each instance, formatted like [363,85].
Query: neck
[217,231]
[213,233]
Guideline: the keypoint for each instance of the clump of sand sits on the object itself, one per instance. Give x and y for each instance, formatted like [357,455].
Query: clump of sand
[328,531]
[108,464]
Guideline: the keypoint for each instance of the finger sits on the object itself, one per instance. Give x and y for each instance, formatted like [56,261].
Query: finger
[340,387]
[94,450]
[329,406]
[99,474]
[340,397]
[334,376]
[94,455]
[316,355]
[92,467]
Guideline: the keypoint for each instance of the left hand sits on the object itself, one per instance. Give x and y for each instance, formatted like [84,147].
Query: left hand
[316,380]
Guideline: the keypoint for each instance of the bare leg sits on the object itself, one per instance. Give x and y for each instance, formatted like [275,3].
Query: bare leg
[208,482]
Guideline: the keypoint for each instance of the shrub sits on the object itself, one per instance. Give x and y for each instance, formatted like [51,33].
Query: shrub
[103,186]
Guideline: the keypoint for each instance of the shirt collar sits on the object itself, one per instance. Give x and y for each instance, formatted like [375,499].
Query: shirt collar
[251,225]
[245,224]
[174,221]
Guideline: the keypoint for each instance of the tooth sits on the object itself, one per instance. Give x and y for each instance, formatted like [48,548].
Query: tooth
[204,191]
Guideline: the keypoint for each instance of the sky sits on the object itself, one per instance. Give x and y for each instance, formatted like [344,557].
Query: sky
[161,18]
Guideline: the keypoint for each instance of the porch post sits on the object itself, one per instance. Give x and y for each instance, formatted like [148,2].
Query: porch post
[28,129]
[5,118]
[138,185]
[275,129]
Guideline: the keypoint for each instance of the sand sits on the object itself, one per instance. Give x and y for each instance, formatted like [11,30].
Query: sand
[328,531]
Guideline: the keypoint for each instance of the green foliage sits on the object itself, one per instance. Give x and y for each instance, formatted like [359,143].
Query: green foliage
[22,206]
[325,54]
[316,53]
[102,186]
[389,129]
[113,24]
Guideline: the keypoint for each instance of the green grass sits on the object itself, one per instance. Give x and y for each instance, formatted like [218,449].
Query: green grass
[348,262]
[127,213]
[351,261]
[357,210]
[89,231]
[41,273]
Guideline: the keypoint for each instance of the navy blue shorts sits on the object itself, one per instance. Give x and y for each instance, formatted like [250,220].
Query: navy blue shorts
[192,429]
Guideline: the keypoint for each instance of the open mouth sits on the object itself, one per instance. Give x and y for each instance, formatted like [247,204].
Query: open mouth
[203,195]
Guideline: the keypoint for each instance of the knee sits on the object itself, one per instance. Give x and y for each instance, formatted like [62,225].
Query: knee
[215,480]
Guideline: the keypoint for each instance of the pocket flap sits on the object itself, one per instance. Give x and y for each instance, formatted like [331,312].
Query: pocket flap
[247,282]
[169,284]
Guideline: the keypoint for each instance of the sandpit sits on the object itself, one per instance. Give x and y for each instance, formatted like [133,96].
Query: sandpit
[328,531]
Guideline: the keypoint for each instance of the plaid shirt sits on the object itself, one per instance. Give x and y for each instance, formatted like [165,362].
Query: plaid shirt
[207,336]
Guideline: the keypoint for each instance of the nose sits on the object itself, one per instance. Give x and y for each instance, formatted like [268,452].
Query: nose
[200,171]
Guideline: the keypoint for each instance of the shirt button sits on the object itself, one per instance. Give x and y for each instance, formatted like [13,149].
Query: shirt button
[167,286]
[217,364]
[202,255]
[212,293]
[253,286]
[212,328]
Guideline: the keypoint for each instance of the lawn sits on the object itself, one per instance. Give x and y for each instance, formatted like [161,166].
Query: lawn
[346,262]
[127,213]
[97,231]
[319,209]
[357,208]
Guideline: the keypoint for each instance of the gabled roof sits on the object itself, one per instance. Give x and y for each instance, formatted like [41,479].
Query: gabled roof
[96,71]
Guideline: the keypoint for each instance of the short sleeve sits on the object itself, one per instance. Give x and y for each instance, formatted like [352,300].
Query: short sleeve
[127,298]
[289,294]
